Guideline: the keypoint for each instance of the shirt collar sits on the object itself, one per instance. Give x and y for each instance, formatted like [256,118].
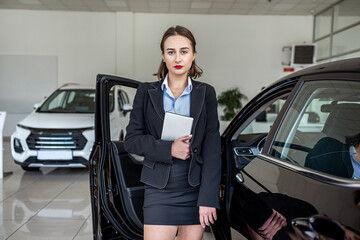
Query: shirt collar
[166,83]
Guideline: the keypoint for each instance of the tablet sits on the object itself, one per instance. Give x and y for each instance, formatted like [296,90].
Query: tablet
[176,126]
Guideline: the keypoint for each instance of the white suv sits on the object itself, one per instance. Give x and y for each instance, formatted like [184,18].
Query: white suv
[60,131]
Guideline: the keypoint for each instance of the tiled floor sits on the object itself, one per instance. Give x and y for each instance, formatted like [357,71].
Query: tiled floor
[53,203]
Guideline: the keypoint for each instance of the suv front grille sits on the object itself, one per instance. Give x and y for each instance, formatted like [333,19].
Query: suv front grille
[56,139]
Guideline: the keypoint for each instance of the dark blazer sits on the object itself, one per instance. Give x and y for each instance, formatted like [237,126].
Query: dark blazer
[144,133]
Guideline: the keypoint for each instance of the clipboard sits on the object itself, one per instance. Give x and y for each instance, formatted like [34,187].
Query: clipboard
[176,126]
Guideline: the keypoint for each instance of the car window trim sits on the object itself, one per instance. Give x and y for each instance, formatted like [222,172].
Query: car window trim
[308,172]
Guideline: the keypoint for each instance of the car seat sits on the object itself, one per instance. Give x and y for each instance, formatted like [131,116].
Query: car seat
[330,154]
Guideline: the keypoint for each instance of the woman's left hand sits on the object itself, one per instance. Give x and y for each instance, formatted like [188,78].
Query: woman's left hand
[207,215]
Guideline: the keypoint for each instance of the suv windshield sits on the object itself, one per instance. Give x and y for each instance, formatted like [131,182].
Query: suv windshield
[70,101]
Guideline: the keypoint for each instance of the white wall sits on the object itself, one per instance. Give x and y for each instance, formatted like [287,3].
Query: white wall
[243,51]
[84,42]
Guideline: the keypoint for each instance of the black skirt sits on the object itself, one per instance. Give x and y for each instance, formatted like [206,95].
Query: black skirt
[176,203]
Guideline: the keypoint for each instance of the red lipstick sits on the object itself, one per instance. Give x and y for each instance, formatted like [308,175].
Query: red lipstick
[178,67]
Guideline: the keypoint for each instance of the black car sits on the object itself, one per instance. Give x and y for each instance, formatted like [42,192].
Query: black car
[287,150]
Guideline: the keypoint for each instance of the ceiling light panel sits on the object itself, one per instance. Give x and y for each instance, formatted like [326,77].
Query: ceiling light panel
[243,6]
[116,3]
[284,6]
[224,5]
[159,4]
[30,2]
[95,3]
[174,5]
[200,5]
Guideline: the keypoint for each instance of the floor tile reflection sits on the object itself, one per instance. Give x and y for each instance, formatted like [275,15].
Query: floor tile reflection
[65,210]
[48,229]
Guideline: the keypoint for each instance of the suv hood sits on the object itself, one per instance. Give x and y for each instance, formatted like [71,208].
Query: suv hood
[58,120]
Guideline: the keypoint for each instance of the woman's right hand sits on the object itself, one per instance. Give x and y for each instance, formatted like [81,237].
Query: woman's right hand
[180,148]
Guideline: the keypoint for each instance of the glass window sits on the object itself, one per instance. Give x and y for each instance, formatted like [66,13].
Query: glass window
[323,48]
[323,24]
[54,101]
[119,119]
[347,40]
[314,131]
[265,118]
[347,56]
[70,101]
[346,13]
[249,140]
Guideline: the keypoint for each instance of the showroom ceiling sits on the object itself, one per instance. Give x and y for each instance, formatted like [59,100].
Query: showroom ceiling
[238,7]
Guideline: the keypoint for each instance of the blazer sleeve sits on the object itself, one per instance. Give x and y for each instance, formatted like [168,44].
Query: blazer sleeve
[137,140]
[211,154]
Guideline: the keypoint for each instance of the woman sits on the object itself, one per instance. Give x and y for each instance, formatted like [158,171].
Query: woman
[182,177]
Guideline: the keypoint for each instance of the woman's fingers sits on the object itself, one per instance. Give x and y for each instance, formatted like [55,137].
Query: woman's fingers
[185,138]
[202,222]
[181,149]
[207,215]
[214,215]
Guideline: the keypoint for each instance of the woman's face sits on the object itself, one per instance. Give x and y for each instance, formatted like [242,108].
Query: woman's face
[178,55]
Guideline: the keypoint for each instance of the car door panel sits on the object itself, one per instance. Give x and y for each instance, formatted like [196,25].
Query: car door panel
[117,193]
[325,193]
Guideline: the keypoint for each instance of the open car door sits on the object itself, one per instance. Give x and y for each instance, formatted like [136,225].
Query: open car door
[242,141]
[116,190]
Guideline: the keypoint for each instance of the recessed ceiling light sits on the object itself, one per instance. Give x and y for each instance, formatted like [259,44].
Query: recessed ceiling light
[116,3]
[30,2]
[202,5]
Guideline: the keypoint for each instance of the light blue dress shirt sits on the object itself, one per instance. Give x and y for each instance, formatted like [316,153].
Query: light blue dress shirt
[355,164]
[181,105]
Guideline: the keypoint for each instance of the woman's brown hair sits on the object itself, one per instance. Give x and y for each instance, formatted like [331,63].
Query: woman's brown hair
[195,71]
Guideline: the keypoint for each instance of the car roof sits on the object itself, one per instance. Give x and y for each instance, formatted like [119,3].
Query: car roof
[76,86]
[347,65]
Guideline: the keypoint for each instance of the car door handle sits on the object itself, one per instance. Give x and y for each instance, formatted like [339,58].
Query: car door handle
[243,151]
[318,227]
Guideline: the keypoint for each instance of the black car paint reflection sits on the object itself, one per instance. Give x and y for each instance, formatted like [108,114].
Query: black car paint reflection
[260,171]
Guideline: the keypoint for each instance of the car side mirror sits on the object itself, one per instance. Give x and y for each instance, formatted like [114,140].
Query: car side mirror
[318,227]
[127,108]
[36,105]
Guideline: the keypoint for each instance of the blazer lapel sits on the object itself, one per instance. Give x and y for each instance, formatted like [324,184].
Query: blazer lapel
[197,96]
[156,97]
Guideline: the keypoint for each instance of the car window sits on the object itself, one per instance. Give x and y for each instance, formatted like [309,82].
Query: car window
[70,101]
[119,120]
[265,117]
[56,101]
[249,139]
[323,115]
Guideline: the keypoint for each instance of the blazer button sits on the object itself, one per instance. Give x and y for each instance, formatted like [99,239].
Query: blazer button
[195,150]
